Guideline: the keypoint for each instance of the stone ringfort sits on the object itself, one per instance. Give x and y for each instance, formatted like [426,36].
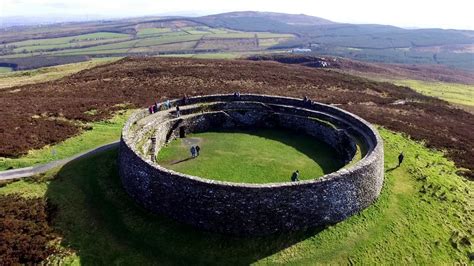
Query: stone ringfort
[251,209]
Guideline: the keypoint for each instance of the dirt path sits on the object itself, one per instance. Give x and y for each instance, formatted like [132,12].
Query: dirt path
[38,169]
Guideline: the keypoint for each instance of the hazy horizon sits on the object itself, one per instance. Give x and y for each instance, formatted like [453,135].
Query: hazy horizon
[403,13]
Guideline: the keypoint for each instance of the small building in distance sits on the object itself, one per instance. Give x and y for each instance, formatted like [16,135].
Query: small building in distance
[300,50]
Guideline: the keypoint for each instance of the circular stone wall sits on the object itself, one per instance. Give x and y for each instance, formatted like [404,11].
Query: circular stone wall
[251,209]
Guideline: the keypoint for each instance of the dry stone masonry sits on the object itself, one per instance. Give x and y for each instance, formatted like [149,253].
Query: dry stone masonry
[251,209]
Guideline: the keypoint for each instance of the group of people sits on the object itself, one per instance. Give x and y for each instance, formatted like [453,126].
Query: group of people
[159,107]
[307,101]
[167,105]
[195,151]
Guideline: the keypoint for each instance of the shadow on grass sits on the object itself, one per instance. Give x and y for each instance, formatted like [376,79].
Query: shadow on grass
[391,169]
[103,225]
[182,161]
[323,155]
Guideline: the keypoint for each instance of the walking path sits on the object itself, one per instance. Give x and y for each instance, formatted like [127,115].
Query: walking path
[38,169]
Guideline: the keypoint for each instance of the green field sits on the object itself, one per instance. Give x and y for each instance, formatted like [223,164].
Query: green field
[451,92]
[423,216]
[17,78]
[153,31]
[5,69]
[67,42]
[257,156]
[76,38]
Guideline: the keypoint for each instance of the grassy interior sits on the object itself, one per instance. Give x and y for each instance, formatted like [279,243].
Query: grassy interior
[423,216]
[257,156]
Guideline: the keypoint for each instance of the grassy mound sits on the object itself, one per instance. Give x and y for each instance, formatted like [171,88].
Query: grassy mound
[423,216]
[257,156]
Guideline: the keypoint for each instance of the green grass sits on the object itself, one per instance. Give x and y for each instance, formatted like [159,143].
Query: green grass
[267,35]
[268,42]
[71,39]
[451,92]
[221,30]
[5,69]
[103,132]
[232,35]
[125,47]
[167,39]
[77,42]
[152,31]
[421,217]
[17,78]
[257,156]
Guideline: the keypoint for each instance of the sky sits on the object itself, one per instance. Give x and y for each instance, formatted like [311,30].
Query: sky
[452,14]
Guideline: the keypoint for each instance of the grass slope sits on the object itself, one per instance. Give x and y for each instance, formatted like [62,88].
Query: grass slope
[452,92]
[5,70]
[18,78]
[257,156]
[102,132]
[423,216]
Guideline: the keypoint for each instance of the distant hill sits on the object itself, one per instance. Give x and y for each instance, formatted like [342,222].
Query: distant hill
[240,32]
[289,19]
[367,42]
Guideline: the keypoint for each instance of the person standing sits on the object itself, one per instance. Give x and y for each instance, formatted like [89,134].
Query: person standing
[193,151]
[177,111]
[400,159]
[198,149]
[167,105]
[185,99]
[236,95]
[295,175]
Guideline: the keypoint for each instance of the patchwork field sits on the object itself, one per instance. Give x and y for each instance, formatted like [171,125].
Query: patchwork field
[78,41]
[149,38]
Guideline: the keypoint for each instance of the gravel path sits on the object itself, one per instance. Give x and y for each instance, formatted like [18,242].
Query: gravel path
[38,169]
